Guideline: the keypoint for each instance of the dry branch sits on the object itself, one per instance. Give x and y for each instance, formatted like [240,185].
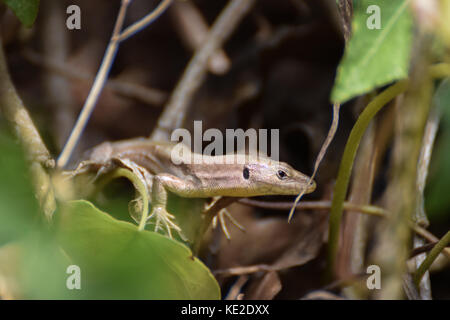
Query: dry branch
[176,108]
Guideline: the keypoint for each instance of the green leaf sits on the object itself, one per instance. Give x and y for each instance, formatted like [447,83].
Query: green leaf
[41,268]
[437,201]
[18,204]
[375,57]
[28,253]
[119,262]
[25,10]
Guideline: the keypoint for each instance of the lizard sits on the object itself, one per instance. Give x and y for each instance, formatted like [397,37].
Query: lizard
[174,170]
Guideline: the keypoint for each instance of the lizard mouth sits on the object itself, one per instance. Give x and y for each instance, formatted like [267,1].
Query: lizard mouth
[311,187]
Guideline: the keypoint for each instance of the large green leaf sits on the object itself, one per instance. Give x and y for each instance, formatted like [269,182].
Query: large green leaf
[41,268]
[27,252]
[119,262]
[375,57]
[18,206]
[25,10]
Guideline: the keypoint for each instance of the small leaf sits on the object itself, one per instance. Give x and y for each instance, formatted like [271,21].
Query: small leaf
[375,57]
[25,10]
[119,262]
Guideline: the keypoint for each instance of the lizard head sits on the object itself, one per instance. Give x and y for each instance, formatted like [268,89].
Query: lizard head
[276,178]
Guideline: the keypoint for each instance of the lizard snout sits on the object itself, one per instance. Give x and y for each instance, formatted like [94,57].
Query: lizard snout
[312,186]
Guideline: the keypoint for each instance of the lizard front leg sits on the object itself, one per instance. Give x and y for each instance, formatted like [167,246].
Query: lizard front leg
[161,184]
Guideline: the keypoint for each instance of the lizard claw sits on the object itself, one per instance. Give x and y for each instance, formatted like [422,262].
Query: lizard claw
[163,220]
[221,217]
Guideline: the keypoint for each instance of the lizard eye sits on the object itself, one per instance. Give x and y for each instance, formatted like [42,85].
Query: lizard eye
[282,174]
[246,173]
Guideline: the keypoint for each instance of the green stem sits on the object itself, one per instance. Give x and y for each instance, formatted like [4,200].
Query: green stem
[14,111]
[434,253]
[439,70]
[345,169]
[137,183]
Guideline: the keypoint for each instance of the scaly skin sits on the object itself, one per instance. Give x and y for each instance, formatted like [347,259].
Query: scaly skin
[174,170]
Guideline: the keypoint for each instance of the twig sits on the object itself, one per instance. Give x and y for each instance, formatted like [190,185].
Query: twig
[15,112]
[193,30]
[351,207]
[426,264]
[352,257]
[424,288]
[314,205]
[411,118]
[340,189]
[150,96]
[235,271]
[411,114]
[96,88]
[419,215]
[57,89]
[409,287]
[144,22]
[35,149]
[346,12]
[194,74]
[424,163]
[235,290]
[429,237]
[323,150]
[424,248]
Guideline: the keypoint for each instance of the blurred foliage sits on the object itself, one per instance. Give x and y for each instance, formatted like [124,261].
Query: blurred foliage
[40,271]
[120,262]
[25,10]
[42,268]
[18,206]
[112,195]
[437,200]
[116,260]
[370,59]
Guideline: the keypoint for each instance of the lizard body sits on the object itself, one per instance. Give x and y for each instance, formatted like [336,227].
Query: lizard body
[219,175]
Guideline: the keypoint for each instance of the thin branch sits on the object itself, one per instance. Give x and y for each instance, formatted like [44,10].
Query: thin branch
[426,264]
[340,189]
[314,205]
[35,149]
[193,29]
[195,72]
[144,22]
[411,114]
[351,207]
[419,214]
[422,249]
[323,150]
[236,289]
[352,257]
[237,271]
[96,89]
[367,209]
[150,96]
[15,112]
[429,237]
[57,89]
[424,163]
[424,288]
